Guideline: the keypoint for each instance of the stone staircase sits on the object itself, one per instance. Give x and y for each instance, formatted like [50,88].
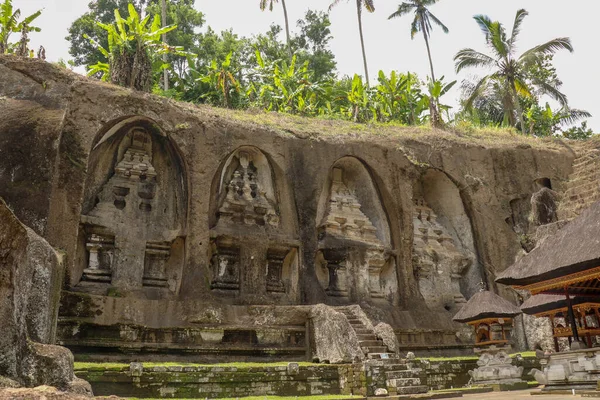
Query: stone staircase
[384,367]
[583,187]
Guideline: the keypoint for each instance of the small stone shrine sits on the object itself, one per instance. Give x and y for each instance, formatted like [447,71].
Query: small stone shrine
[491,316]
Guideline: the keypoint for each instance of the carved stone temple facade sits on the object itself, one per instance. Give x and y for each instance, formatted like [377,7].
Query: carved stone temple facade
[193,231]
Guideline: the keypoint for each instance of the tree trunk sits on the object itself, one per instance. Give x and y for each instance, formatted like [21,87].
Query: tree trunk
[362,41]
[433,102]
[428,51]
[287,29]
[513,88]
[164,40]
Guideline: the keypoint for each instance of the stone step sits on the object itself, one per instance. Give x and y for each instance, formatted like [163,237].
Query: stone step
[386,358]
[374,349]
[582,188]
[370,343]
[585,160]
[402,373]
[368,336]
[403,382]
[363,331]
[412,389]
[583,175]
[355,321]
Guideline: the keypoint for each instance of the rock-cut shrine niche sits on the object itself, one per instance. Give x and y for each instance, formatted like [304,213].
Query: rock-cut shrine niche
[355,260]
[131,235]
[444,260]
[254,250]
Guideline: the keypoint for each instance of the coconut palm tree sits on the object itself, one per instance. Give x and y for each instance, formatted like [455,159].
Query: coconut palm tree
[510,73]
[270,3]
[421,22]
[370,7]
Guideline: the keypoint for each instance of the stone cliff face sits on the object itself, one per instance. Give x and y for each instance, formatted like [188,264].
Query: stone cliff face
[165,208]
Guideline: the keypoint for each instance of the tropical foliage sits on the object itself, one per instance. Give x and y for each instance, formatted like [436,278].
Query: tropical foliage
[133,44]
[422,23]
[10,23]
[297,75]
[511,78]
[368,5]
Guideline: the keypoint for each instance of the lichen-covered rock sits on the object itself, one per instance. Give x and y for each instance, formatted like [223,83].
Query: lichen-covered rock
[42,393]
[30,276]
[335,341]
[386,333]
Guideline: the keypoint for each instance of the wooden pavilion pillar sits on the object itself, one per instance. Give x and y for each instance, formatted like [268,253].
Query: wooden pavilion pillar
[553,333]
[571,316]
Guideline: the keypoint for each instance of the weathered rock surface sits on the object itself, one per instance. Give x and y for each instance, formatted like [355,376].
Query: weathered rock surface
[335,341]
[61,155]
[387,335]
[43,393]
[30,276]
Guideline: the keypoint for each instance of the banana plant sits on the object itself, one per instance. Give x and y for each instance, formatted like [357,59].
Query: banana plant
[133,45]
[359,97]
[222,82]
[435,90]
[9,24]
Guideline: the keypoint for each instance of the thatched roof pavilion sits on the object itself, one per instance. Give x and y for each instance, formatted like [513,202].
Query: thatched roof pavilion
[485,305]
[571,257]
[540,304]
[567,264]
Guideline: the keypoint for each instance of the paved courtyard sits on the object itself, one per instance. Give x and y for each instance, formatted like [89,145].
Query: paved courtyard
[518,395]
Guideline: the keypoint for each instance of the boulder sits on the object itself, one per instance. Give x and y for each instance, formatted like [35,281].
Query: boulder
[386,333]
[334,339]
[30,276]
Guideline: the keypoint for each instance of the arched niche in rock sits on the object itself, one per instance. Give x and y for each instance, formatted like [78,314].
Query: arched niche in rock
[444,254]
[134,213]
[355,260]
[253,229]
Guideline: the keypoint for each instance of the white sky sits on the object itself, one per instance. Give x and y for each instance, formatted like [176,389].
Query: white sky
[388,43]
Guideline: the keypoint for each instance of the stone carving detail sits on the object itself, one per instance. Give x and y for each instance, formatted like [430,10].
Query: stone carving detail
[275,264]
[246,202]
[346,230]
[157,254]
[377,260]
[437,260]
[495,366]
[344,217]
[336,266]
[100,249]
[226,266]
[132,225]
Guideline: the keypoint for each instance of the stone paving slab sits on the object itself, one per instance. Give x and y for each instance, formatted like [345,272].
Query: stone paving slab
[520,395]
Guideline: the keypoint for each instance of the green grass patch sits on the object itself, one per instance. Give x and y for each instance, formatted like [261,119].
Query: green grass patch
[79,365]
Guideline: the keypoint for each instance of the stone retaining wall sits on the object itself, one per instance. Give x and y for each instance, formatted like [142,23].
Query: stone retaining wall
[188,381]
[218,381]
[455,373]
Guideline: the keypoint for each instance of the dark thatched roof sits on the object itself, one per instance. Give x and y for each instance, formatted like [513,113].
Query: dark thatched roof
[547,302]
[486,304]
[574,248]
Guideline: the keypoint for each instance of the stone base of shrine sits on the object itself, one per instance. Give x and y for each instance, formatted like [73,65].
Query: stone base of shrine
[575,369]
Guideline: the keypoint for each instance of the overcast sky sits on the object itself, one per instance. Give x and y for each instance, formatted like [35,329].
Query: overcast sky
[388,43]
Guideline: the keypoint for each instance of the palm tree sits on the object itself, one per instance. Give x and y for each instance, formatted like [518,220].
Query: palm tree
[370,7]
[263,7]
[421,23]
[510,76]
